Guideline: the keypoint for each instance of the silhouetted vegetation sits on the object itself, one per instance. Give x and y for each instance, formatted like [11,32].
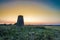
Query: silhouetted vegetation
[28,33]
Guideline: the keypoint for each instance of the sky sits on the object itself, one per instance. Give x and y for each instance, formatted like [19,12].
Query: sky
[33,11]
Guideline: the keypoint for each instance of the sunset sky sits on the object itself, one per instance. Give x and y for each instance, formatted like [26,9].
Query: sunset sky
[34,11]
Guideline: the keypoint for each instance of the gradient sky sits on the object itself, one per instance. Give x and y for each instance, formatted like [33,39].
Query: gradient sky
[34,11]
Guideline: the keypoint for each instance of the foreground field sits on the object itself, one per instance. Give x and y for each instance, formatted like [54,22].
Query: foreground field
[29,33]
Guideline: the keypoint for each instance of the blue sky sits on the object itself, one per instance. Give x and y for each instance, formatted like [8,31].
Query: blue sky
[51,3]
[37,10]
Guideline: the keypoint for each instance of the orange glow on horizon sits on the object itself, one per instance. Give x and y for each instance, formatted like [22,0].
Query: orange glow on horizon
[33,13]
[28,23]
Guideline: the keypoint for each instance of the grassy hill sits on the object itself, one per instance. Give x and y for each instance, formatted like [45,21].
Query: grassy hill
[29,33]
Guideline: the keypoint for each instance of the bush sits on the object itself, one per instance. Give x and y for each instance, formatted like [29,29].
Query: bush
[25,33]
